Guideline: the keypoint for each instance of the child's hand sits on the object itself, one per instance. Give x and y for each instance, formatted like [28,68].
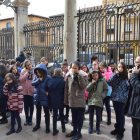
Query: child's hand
[41,79]
[93,81]
[47,93]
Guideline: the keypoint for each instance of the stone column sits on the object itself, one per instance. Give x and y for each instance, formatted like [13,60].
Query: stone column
[20,18]
[70,31]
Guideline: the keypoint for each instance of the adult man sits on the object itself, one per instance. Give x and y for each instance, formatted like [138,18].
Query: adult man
[49,67]
[132,108]
[30,58]
[21,58]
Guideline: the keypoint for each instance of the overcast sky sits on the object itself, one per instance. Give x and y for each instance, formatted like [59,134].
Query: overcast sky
[48,7]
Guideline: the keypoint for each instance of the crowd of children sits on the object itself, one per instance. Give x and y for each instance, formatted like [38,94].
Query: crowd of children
[71,87]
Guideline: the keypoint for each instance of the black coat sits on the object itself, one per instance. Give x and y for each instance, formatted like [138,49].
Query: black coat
[1,88]
[56,93]
[132,106]
[21,58]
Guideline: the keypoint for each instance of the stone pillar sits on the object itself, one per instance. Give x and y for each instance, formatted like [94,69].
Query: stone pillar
[20,18]
[70,31]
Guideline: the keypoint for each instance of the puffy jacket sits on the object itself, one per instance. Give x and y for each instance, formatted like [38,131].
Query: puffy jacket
[132,106]
[107,74]
[26,83]
[75,93]
[1,87]
[41,88]
[56,93]
[21,58]
[96,96]
[120,88]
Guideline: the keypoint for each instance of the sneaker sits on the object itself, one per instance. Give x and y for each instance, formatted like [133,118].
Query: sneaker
[71,134]
[77,137]
[90,130]
[98,132]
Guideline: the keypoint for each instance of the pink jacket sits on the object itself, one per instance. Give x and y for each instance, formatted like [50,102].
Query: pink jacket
[108,73]
[26,83]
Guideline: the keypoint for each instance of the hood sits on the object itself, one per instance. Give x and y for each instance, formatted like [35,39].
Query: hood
[41,66]
[71,73]
[21,54]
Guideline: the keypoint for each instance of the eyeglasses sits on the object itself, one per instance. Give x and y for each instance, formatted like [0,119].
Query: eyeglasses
[28,65]
[94,64]
[137,62]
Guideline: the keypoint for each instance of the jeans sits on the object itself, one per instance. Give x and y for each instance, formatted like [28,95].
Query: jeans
[28,105]
[38,115]
[15,115]
[136,129]
[106,101]
[120,119]
[55,113]
[91,116]
[77,118]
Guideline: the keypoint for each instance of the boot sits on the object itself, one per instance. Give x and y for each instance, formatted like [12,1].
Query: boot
[109,121]
[120,134]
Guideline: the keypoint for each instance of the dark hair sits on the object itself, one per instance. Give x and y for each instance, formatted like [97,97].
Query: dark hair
[11,68]
[18,64]
[125,72]
[65,60]
[84,64]
[43,58]
[64,64]
[12,77]
[103,63]
[78,59]
[92,72]
[3,70]
[28,53]
[93,58]
[42,72]
[77,64]
[2,58]
[58,73]
[70,65]
[13,62]
[111,63]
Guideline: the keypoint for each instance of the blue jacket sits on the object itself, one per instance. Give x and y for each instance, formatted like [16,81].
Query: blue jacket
[120,88]
[109,90]
[41,87]
[56,93]
[1,87]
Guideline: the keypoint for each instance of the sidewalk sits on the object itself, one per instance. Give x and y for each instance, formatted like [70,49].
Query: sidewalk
[27,134]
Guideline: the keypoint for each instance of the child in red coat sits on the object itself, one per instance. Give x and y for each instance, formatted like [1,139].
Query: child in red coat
[15,101]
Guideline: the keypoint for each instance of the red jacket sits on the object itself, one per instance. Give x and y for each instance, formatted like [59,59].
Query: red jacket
[15,100]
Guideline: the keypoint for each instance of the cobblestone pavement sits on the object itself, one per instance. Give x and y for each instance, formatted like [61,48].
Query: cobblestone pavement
[27,134]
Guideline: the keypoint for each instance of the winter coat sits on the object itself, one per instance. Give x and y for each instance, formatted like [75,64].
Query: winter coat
[107,74]
[132,106]
[97,92]
[15,100]
[19,69]
[50,70]
[75,90]
[41,88]
[1,87]
[32,60]
[56,93]
[89,66]
[21,58]
[120,88]
[26,83]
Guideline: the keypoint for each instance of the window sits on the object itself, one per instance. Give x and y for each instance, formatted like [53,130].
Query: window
[110,9]
[42,38]
[8,25]
[9,39]
[110,29]
[128,27]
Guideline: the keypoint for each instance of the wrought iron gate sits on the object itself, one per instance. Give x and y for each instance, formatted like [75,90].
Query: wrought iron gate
[7,43]
[111,32]
[45,39]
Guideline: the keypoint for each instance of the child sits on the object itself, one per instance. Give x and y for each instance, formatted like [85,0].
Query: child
[95,65]
[15,100]
[120,89]
[112,67]
[85,69]
[75,97]
[3,98]
[97,89]
[13,69]
[107,73]
[40,82]
[26,77]
[56,98]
